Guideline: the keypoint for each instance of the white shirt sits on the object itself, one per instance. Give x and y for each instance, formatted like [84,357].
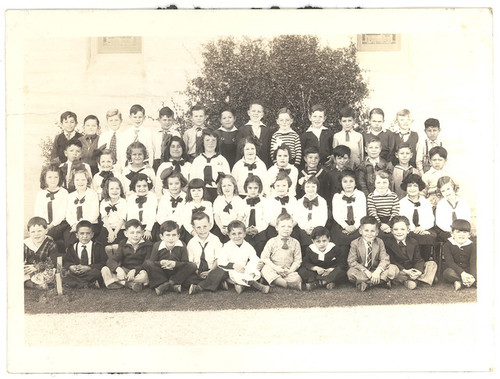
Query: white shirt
[90,207]
[319,214]
[339,208]
[217,162]
[260,214]
[59,205]
[114,217]
[148,209]
[167,212]
[274,208]
[79,249]
[273,172]
[187,213]
[212,250]
[237,212]
[157,136]
[425,214]
[241,173]
[185,171]
[444,212]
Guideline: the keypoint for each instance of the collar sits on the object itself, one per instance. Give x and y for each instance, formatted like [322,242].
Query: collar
[71,135]
[79,244]
[260,123]
[197,239]
[402,168]
[376,193]
[311,129]
[163,245]
[352,194]
[404,242]
[234,129]
[315,249]
[453,242]
[370,131]
[371,161]
[141,242]
[29,242]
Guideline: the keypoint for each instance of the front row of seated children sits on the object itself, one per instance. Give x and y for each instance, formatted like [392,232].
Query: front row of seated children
[206,264]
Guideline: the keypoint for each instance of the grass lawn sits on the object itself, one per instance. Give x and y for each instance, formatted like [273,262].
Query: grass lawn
[124,300]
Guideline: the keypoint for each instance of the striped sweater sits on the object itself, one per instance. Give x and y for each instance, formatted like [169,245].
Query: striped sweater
[383,207]
[292,140]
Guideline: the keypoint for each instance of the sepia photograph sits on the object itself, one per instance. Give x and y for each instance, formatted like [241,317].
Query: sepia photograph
[250,190]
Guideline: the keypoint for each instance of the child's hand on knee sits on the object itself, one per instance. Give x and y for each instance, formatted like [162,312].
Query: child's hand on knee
[375,279]
[131,275]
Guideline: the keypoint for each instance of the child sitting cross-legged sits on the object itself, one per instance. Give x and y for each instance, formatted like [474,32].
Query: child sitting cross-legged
[168,267]
[85,259]
[239,260]
[282,256]
[125,266]
[369,263]
[324,262]
[404,252]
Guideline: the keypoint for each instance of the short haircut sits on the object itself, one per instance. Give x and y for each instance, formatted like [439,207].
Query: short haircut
[369,220]
[84,224]
[461,225]
[439,150]
[196,183]
[91,117]
[208,132]
[341,150]
[171,173]
[312,179]
[242,142]
[166,111]
[233,182]
[346,112]
[404,145]
[50,168]
[377,111]
[413,179]
[397,219]
[253,179]
[283,147]
[283,217]
[283,176]
[403,112]
[320,231]
[447,180]
[236,224]
[105,190]
[384,174]
[256,102]
[137,108]
[285,110]
[227,108]
[318,108]
[80,169]
[73,142]
[372,139]
[133,223]
[139,178]
[432,122]
[197,216]
[68,114]
[198,107]
[310,150]
[169,226]
[99,153]
[347,173]
[113,112]
[136,145]
[166,153]
[37,221]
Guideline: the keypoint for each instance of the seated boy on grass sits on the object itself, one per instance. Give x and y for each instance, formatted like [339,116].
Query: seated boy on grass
[125,267]
[282,256]
[369,263]
[168,267]
[84,259]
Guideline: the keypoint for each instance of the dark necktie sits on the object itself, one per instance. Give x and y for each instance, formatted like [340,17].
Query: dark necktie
[112,144]
[252,201]
[228,207]
[415,218]
[453,213]
[84,260]
[175,201]
[203,261]
[207,171]
[140,200]
[50,213]
[350,211]
[347,136]
[369,256]
[105,176]
[402,247]
[250,166]
[111,207]
[79,208]
[285,245]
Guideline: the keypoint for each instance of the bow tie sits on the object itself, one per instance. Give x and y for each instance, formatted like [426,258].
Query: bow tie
[349,199]
[177,164]
[110,208]
[80,201]
[283,200]
[253,200]
[175,201]
[106,174]
[200,209]
[285,170]
[131,175]
[310,203]
[141,200]
[251,166]
[228,207]
[52,194]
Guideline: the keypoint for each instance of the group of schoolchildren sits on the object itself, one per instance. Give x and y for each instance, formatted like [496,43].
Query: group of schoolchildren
[252,206]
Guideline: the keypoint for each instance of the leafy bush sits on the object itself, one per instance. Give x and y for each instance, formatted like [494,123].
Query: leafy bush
[288,71]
